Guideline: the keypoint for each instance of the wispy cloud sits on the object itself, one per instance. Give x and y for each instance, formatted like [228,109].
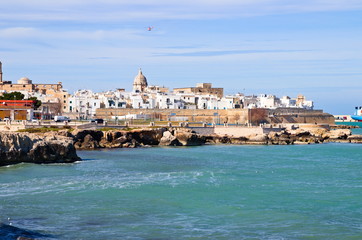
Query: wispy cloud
[101,58]
[27,33]
[140,10]
[223,52]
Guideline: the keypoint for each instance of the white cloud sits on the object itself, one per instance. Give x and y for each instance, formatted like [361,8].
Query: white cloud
[96,35]
[17,32]
[140,10]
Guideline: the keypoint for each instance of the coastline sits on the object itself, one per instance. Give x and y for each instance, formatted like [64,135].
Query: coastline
[61,146]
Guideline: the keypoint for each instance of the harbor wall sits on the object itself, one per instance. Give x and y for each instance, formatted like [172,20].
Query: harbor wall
[254,117]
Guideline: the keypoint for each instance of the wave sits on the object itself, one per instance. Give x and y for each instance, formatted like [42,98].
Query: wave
[8,232]
[96,181]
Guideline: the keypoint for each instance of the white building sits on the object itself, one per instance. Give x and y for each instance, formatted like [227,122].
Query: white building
[84,103]
[267,101]
[169,101]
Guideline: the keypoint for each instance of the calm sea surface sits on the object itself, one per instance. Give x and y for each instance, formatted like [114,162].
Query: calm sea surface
[207,192]
[354,130]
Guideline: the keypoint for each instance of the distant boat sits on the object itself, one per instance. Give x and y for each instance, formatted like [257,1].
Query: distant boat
[357,114]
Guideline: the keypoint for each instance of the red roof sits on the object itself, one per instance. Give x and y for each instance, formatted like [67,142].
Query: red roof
[17,103]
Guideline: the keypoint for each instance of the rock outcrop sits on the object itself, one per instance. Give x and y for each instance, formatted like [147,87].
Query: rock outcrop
[186,137]
[24,147]
[92,139]
[168,139]
[60,146]
[299,136]
[344,126]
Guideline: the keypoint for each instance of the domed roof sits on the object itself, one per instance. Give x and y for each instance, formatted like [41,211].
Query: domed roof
[24,80]
[140,79]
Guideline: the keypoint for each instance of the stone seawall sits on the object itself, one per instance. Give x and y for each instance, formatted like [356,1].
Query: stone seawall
[193,115]
[238,131]
[231,116]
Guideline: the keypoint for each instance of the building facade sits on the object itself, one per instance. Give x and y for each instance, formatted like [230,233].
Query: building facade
[202,89]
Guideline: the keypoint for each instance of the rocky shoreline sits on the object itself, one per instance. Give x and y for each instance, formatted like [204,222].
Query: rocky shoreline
[60,146]
[91,139]
[32,148]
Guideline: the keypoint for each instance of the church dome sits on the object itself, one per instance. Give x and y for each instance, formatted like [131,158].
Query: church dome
[140,82]
[140,78]
[24,80]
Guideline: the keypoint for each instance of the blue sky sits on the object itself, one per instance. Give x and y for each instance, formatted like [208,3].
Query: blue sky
[251,46]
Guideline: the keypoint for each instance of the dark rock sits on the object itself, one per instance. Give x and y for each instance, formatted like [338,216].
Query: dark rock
[8,232]
[79,135]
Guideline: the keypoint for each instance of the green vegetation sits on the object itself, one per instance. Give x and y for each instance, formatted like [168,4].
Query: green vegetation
[44,129]
[12,96]
[104,129]
[20,96]
[37,103]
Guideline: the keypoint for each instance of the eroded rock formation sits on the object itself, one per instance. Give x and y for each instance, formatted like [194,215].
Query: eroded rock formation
[46,148]
[88,139]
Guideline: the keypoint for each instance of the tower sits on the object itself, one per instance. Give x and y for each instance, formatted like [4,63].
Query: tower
[1,72]
[140,82]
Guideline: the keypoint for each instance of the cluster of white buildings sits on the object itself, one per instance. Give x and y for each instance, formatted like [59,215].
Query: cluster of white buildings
[85,102]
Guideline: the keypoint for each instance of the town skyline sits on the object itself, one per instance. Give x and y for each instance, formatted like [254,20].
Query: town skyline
[253,47]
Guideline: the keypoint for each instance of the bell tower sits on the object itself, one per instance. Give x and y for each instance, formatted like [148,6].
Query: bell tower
[1,72]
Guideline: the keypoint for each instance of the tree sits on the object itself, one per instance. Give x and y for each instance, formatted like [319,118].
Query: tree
[12,96]
[20,96]
[37,102]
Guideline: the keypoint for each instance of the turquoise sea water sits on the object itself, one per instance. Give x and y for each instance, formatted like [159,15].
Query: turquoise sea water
[354,130]
[207,192]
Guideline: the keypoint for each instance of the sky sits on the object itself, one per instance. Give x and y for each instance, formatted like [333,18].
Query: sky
[279,47]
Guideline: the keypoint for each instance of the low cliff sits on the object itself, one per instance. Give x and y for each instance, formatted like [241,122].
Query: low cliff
[286,137]
[92,139]
[25,147]
[60,146]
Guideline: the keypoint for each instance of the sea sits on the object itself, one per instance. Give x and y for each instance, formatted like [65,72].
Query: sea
[204,192]
[357,130]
